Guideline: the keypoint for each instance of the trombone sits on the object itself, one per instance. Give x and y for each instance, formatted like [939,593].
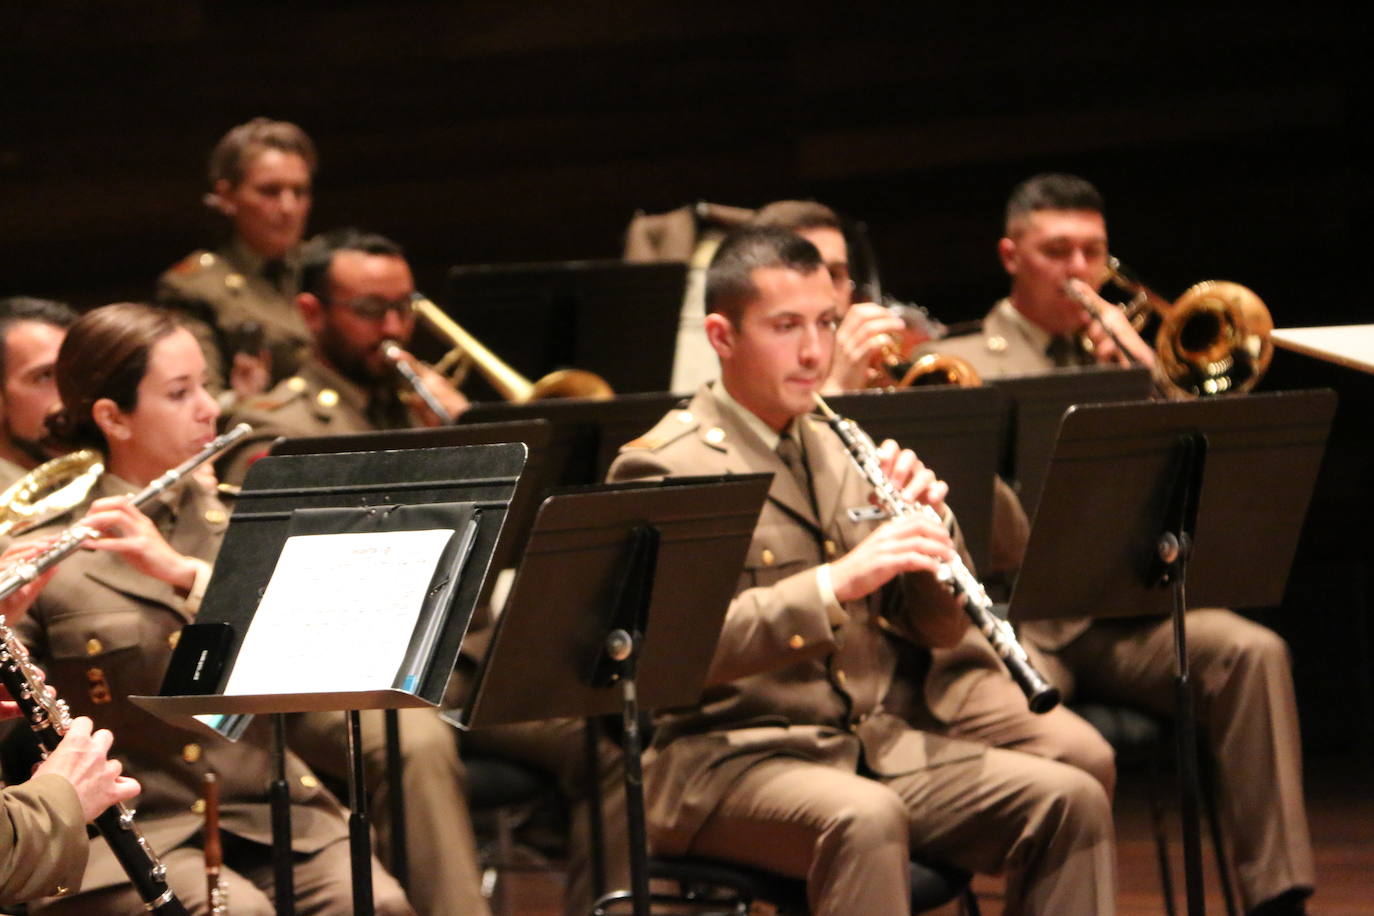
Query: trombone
[1212,340]
[511,385]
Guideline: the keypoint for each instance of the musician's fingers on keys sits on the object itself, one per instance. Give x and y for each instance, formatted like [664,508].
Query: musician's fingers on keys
[917,483]
[14,607]
[907,544]
[126,531]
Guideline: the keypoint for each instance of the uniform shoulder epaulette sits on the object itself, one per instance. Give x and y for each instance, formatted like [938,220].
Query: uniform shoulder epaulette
[193,263]
[675,425]
[284,393]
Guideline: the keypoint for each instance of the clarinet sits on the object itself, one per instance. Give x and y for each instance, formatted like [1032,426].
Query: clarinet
[1041,696]
[50,717]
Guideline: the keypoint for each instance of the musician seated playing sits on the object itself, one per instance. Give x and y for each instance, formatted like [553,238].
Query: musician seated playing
[1056,235]
[132,383]
[819,749]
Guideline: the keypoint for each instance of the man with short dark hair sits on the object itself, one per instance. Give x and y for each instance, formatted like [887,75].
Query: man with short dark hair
[816,750]
[1056,235]
[31,330]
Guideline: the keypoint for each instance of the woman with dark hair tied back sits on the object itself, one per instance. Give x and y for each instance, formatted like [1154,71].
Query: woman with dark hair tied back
[132,382]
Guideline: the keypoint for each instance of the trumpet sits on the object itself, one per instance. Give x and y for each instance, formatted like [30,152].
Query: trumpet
[1041,696]
[893,366]
[1214,339]
[511,385]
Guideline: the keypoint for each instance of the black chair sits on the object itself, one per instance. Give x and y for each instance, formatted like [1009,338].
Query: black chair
[707,885]
[506,791]
[1144,740]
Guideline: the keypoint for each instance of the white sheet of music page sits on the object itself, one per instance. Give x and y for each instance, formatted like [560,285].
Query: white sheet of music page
[338,613]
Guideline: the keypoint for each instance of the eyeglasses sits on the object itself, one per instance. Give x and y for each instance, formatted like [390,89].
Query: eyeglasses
[374,308]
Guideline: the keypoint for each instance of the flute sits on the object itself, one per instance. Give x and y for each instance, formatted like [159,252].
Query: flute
[1041,696]
[50,718]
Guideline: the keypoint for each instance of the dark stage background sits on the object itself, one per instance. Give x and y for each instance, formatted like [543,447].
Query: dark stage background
[512,131]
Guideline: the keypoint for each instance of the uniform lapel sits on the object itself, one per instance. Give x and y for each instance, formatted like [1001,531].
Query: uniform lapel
[745,453]
[829,466]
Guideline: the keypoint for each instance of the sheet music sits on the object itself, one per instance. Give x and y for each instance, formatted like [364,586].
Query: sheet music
[338,613]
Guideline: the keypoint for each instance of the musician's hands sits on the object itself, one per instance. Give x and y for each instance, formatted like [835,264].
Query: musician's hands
[126,531]
[82,759]
[1105,350]
[17,605]
[857,341]
[911,543]
[450,398]
[917,483]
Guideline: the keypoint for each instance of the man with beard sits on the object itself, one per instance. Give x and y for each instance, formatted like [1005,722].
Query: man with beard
[31,330]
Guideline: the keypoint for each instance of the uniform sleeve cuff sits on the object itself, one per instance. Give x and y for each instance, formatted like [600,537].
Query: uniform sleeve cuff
[834,611]
[197,593]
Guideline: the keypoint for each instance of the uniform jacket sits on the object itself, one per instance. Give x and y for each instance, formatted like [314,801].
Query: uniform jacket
[787,679]
[1006,344]
[103,631]
[224,290]
[43,843]
[316,401]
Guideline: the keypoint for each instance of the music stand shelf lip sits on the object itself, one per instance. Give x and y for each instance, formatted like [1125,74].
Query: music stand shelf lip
[172,708]
[1351,346]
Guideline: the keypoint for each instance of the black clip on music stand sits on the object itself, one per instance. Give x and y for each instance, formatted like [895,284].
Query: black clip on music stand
[1192,504]
[617,607]
[374,492]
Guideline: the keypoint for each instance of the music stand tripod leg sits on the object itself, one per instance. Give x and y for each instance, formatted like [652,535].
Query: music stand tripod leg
[279,795]
[359,839]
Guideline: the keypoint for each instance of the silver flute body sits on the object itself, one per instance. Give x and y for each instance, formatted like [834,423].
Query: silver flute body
[1041,696]
[50,718]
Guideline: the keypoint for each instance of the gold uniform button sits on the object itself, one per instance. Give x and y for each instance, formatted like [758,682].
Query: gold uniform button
[206,259]
[840,676]
[94,646]
[830,548]
[60,890]
[198,806]
[235,281]
[767,557]
[997,343]
[296,384]
[684,417]
[215,516]
[715,435]
[796,642]
[309,781]
[327,397]
[173,639]
[191,752]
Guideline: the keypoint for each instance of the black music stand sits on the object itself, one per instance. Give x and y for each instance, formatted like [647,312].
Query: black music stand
[613,318]
[1037,404]
[587,434]
[956,431]
[389,491]
[611,611]
[1160,507]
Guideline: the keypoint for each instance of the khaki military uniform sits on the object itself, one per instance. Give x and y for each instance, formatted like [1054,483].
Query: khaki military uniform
[1007,343]
[802,757]
[1245,699]
[43,845]
[103,631]
[224,290]
[316,401]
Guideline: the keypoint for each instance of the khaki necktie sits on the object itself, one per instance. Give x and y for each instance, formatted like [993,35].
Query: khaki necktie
[789,450]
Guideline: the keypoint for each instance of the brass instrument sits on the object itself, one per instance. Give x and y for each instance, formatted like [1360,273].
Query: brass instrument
[391,352]
[53,486]
[511,385]
[896,369]
[1214,339]
[1041,696]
